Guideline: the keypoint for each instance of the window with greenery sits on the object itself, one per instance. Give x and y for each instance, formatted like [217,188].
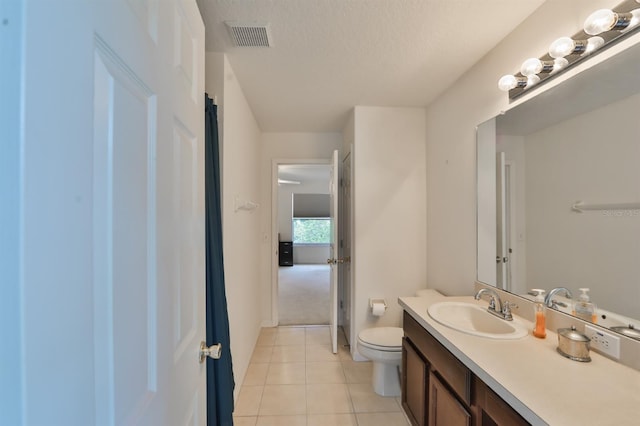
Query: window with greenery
[312,230]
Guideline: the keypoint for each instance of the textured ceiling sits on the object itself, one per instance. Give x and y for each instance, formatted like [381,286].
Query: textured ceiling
[330,55]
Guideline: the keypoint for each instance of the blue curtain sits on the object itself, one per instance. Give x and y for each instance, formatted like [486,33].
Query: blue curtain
[220,383]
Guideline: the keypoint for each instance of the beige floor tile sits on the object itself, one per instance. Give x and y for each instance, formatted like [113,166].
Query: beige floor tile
[269,331]
[344,353]
[262,354]
[382,419]
[267,337]
[279,400]
[244,421]
[357,372]
[328,398]
[248,403]
[300,420]
[288,353]
[256,375]
[292,330]
[365,400]
[318,336]
[331,420]
[290,336]
[399,401]
[286,373]
[320,353]
[324,372]
[342,340]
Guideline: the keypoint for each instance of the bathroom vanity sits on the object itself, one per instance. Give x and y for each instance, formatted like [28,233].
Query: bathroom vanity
[438,389]
[453,378]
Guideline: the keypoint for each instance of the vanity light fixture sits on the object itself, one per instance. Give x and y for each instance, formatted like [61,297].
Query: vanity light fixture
[601,28]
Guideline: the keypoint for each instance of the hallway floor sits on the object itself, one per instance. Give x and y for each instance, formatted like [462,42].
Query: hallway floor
[294,380]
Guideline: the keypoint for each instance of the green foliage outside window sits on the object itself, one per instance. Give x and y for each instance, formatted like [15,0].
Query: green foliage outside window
[312,231]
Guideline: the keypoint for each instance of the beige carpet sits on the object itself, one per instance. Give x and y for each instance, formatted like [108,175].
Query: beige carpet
[303,294]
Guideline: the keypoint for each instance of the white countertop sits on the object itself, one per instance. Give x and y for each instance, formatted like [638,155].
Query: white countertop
[528,373]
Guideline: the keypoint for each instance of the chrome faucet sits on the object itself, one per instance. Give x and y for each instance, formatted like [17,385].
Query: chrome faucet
[495,299]
[496,307]
[548,299]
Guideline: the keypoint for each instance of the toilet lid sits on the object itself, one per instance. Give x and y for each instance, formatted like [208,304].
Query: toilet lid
[390,337]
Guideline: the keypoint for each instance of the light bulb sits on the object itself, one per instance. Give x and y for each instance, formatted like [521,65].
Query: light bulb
[559,63]
[600,21]
[535,66]
[508,82]
[604,20]
[531,66]
[635,19]
[565,46]
[593,43]
[532,80]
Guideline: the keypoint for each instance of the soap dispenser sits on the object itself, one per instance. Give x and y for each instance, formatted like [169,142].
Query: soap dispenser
[539,329]
[583,308]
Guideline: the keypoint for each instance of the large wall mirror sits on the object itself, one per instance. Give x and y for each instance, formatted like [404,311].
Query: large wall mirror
[559,191]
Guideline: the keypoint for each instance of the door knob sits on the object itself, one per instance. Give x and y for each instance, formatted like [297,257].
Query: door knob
[334,261]
[213,352]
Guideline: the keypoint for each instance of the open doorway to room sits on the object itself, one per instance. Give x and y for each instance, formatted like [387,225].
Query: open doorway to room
[303,228]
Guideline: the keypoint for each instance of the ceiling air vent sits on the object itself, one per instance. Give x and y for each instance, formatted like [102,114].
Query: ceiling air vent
[249,34]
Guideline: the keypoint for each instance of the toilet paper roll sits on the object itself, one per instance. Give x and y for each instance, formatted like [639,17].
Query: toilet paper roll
[378,309]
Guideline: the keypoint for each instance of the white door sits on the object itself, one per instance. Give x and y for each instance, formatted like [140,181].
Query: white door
[333,260]
[502,228]
[111,239]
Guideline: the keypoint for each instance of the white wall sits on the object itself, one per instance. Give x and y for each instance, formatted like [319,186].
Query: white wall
[389,245]
[451,156]
[293,148]
[240,149]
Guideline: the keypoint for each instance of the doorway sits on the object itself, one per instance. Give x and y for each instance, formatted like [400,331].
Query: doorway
[301,218]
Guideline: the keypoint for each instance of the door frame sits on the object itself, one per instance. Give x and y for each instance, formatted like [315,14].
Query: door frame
[274,225]
[345,232]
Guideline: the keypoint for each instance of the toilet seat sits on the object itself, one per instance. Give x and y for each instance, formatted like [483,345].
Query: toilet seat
[386,339]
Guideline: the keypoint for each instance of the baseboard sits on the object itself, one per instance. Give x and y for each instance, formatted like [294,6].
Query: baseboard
[268,323]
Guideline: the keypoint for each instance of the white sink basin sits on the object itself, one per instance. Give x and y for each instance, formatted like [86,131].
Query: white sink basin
[473,319]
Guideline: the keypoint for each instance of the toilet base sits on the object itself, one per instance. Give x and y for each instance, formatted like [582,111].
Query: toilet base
[386,378]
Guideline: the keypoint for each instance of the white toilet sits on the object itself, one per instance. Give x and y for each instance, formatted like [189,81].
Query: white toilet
[383,346]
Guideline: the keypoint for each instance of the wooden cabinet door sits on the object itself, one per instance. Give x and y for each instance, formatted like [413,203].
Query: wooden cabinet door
[493,410]
[414,384]
[444,408]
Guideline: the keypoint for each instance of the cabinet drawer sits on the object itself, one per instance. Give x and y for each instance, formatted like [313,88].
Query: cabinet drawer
[448,367]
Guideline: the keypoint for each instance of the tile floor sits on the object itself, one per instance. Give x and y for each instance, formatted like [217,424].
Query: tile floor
[293,379]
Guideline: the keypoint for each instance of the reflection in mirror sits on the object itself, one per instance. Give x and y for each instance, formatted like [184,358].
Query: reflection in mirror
[559,191]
